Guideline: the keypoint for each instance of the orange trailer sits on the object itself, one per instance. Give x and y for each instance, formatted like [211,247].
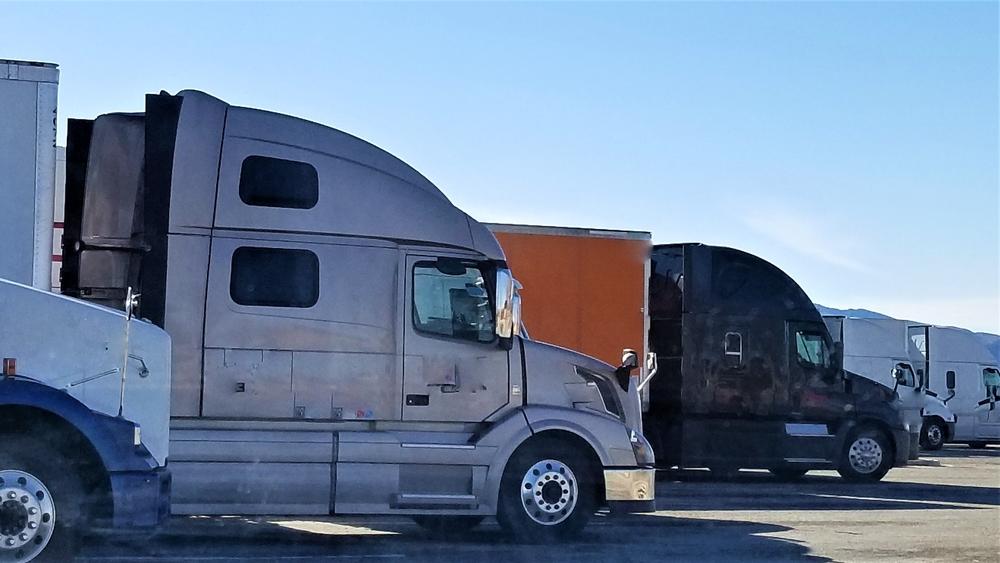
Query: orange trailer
[584,289]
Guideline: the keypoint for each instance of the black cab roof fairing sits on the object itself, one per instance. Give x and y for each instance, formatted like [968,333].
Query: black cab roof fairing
[723,279]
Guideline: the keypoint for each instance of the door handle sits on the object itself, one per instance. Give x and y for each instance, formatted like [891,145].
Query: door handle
[418,400]
[448,387]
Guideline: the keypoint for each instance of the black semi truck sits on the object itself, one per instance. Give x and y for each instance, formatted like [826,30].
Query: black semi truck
[748,375]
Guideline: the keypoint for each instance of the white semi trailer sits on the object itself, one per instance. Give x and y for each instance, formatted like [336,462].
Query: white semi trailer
[345,340]
[880,350]
[84,392]
[964,373]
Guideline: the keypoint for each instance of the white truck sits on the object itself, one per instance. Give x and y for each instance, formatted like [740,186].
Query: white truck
[964,373]
[880,350]
[84,392]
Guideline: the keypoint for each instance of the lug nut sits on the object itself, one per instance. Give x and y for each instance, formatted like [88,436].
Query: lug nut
[23,537]
[32,511]
[12,494]
[10,541]
[32,525]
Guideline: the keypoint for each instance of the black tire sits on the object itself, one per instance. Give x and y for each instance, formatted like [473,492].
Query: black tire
[932,435]
[977,445]
[785,473]
[447,526]
[34,457]
[512,509]
[867,455]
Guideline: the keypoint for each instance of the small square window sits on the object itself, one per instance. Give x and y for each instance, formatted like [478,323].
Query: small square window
[275,182]
[274,277]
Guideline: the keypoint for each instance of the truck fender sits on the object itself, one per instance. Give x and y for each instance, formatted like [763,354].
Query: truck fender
[515,429]
[607,436]
[112,438]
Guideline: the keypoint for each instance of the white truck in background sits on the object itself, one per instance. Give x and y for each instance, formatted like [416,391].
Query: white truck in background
[880,350]
[84,392]
[964,373]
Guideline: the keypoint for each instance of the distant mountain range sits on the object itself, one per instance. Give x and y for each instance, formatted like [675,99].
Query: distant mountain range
[858,313]
[991,341]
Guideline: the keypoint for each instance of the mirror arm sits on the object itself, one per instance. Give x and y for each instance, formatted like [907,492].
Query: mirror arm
[649,376]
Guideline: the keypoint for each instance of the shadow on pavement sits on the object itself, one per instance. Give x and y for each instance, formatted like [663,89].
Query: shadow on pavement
[686,490]
[957,451]
[630,538]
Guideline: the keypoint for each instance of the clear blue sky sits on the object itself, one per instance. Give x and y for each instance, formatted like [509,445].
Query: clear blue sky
[853,144]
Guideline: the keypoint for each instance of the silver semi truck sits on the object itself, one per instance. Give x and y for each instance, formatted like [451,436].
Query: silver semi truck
[345,340]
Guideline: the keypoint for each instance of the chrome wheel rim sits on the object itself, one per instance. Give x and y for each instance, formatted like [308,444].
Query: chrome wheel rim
[549,492]
[865,455]
[27,516]
[934,434]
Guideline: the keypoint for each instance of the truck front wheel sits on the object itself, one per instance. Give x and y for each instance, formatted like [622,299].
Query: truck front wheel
[548,492]
[41,502]
[932,435]
[867,456]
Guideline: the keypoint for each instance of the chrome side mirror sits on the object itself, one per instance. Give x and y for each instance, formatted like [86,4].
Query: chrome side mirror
[516,309]
[504,304]
[630,360]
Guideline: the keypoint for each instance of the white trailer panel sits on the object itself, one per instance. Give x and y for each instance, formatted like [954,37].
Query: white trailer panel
[27,158]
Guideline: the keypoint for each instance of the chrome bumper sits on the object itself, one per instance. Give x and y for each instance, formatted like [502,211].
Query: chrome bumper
[630,484]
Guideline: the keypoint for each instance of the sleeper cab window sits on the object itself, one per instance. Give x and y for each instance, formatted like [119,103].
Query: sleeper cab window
[274,277]
[452,301]
[811,349]
[733,348]
[276,182]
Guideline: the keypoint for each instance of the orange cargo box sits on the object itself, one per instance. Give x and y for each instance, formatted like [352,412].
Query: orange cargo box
[584,289]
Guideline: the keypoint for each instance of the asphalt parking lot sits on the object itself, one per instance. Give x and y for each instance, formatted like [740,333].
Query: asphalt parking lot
[947,508]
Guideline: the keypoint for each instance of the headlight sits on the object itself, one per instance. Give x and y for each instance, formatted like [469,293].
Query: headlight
[642,449]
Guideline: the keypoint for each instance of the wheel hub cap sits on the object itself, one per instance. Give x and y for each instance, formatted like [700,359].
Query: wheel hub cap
[934,435]
[27,516]
[865,455]
[549,492]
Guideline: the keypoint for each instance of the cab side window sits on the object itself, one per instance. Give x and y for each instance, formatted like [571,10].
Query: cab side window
[454,303]
[274,277]
[276,182]
[991,380]
[909,379]
[811,349]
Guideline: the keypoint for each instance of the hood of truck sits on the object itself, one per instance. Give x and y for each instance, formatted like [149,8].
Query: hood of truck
[79,348]
[874,398]
[563,377]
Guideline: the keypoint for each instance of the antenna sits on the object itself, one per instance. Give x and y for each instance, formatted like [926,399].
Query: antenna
[131,303]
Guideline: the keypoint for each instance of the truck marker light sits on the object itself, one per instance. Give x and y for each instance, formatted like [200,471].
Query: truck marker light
[9,367]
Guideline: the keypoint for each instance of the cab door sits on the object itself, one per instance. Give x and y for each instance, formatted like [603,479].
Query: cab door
[988,407]
[910,389]
[454,369]
[815,390]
